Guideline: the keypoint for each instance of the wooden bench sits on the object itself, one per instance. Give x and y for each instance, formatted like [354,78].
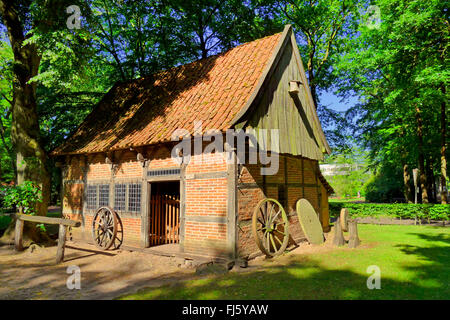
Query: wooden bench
[63,224]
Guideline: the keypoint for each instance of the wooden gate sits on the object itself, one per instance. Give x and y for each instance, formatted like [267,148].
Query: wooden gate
[164,219]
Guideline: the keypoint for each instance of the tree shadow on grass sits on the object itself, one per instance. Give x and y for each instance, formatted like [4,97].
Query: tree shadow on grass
[435,256]
[295,280]
[304,277]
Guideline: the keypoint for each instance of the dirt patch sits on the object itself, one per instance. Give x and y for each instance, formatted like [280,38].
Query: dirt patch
[302,250]
[32,274]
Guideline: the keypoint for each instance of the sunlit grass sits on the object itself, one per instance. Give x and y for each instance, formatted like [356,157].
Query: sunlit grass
[414,263]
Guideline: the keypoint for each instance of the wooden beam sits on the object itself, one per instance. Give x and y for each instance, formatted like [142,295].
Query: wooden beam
[232,235]
[286,185]
[182,230]
[145,226]
[48,220]
[145,210]
[275,184]
[293,87]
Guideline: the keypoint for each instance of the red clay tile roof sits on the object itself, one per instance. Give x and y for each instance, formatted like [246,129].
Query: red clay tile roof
[148,110]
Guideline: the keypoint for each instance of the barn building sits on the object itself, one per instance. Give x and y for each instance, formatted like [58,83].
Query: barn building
[122,155]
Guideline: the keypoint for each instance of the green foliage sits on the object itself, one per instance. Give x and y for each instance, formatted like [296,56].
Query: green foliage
[384,186]
[5,220]
[357,173]
[7,173]
[393,210]
[393,68]
[399,70]
[23,196]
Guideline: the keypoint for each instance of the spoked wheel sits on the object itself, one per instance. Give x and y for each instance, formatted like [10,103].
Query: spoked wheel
[270,227]
[119,235]
[104,228]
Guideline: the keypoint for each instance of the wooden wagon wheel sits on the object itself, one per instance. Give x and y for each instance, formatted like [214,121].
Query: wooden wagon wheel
[270,227]
[118,240]
[104,227]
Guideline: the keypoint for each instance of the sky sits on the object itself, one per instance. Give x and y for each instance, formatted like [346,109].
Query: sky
[332,101]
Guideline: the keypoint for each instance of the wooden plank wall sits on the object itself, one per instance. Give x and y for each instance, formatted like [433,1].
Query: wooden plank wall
[278,110]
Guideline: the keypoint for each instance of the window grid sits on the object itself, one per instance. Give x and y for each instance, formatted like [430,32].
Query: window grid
[103,195]
[119,196]
[91,197]
[134,197]
[164,172]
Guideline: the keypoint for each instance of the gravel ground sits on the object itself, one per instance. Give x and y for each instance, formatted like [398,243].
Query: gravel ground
[33,274]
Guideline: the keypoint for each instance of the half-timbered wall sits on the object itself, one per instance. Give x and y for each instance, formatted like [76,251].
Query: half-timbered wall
[296,179]
[204,192]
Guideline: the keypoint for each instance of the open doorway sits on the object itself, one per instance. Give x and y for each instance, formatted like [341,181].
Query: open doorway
[165,213]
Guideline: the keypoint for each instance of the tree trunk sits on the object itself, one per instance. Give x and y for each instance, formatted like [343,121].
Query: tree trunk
[422,175]
[30,155]
[443,148]
[312,85]
[430,179]
[407,185]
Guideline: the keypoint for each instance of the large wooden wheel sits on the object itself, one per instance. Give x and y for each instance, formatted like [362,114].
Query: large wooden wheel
[270,227]
[104,227]
[119,235]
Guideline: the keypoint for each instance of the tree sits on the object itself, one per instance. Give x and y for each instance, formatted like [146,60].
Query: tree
[210,26]
[25,135]
[33,27]
[7,173]
[351,172]
[324,29]
[398,70]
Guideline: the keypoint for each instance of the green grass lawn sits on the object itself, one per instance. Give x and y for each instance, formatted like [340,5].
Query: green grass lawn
[414,263]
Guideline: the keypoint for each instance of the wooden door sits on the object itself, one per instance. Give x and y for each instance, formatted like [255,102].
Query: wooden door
[164,219]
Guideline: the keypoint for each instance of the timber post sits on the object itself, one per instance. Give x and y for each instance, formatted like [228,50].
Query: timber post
[61,243]
[63,225]
[353,241]
[18,235]
[338,239]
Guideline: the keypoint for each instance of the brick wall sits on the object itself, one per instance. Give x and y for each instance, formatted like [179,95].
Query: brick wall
[206,193]
[93,170]
[206,205]
[206,198]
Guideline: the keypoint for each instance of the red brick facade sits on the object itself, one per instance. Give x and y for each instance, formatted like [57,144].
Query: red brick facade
[206,225]
[205,196]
